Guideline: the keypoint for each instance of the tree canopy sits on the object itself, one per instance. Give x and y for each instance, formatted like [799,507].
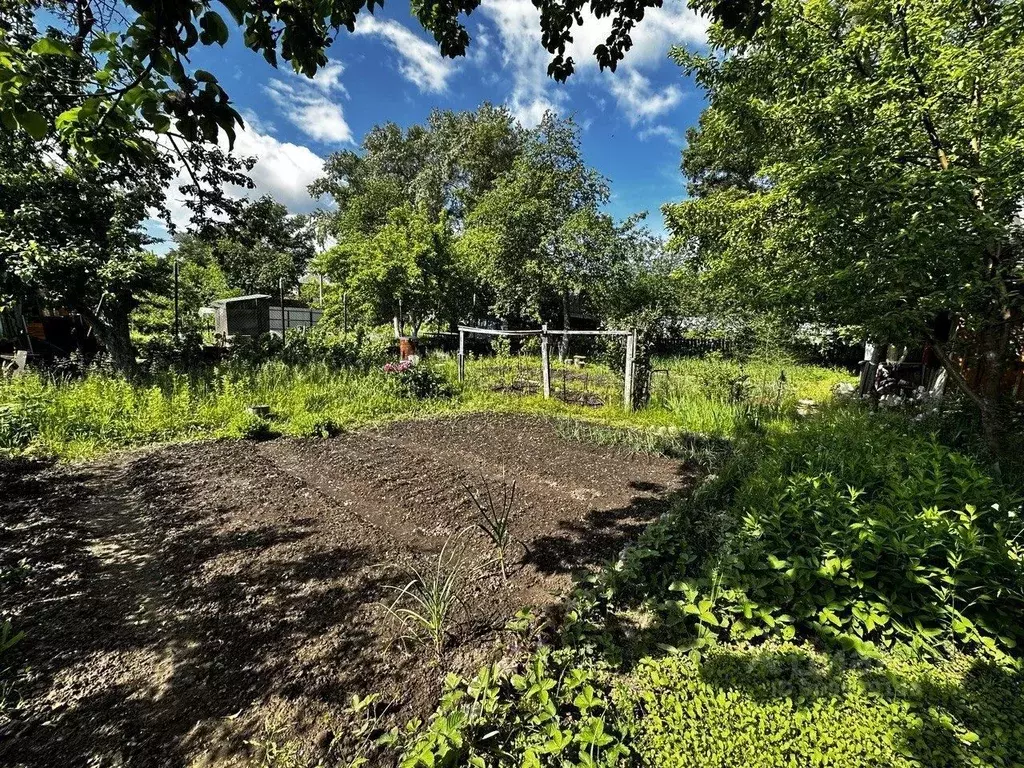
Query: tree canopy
[860,163]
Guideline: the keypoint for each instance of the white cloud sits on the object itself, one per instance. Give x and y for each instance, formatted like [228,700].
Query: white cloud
[671,135]
[311,104]
[532,92]
[421,62]
[283,170]
[638,100]
[311,111]
[328,78]
[659,30]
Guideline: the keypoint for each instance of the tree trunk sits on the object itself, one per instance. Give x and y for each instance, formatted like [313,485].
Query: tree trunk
[113,331]
[989,397]
[563,344]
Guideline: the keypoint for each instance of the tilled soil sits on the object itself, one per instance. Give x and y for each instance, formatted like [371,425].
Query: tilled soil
[183,602]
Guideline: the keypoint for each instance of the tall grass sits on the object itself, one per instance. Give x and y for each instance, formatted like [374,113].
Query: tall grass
[85,417]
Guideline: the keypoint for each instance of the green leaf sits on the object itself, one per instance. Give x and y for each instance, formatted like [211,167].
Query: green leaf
[33,123]
[47,46]
[214,29]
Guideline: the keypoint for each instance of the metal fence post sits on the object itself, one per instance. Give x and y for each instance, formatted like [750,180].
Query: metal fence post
[545,360]
[628,373]
[462,355]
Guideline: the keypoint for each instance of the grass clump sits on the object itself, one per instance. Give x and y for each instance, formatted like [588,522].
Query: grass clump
[496,517]
[424,608]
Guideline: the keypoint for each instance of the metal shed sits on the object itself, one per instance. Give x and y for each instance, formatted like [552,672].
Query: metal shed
[260,313]
[242,315]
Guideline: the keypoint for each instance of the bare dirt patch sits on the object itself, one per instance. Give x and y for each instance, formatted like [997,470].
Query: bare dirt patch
[182,601]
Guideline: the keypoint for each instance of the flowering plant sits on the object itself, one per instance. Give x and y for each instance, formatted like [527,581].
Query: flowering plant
[419,380]
[401,367]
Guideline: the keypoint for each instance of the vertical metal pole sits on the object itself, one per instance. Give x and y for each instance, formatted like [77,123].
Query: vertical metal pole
[284,325]
[462,355]
[545,361]
[628,374]
[177,321]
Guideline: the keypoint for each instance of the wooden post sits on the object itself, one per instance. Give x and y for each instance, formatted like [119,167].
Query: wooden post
[462,355]
[545,360]
[628,373]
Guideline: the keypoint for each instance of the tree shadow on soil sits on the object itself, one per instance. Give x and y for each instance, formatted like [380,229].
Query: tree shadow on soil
[148,644]
[602,534]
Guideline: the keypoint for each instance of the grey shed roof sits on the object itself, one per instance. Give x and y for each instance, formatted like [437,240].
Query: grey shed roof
[218,302]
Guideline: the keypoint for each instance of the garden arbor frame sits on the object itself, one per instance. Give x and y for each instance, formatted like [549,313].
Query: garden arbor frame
[545,336]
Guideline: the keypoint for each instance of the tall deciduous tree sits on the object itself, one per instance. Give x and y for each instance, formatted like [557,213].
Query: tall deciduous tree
[538,237]
[861,162]
[259,245]
[409,263]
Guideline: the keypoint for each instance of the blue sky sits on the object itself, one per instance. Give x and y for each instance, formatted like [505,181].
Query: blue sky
[633,120]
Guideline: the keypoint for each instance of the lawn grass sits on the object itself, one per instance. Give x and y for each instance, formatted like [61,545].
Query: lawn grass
[83,418]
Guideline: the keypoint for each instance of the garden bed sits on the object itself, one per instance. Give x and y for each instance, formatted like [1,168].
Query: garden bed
[183,601]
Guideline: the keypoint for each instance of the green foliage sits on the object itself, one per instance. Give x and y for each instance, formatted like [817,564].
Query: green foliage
[312,425]
[200,281]
[83,417]
[850,527]
[408,261]
[851,144]
[250,426]
[785,704]
[547,714]
[319,345]
[18,426]
[421,380]
[496,517]
[425,606]
[259,245]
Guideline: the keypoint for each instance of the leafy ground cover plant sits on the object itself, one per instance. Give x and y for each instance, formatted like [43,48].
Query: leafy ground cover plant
[850,527]
[549,712]
[786,704]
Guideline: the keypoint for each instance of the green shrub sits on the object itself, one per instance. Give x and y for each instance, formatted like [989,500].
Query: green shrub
[250,426]
[18,426]
[783,704]
[546,714]
[312,425]
[850,527]
[421,380]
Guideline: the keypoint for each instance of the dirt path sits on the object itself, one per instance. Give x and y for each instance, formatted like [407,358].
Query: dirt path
[182,601]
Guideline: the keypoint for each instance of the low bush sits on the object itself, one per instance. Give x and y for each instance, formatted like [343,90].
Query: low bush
[850,527]
[18,426]
[547,713]
[249,426]
[316,346]
[419,380]
[783,704]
